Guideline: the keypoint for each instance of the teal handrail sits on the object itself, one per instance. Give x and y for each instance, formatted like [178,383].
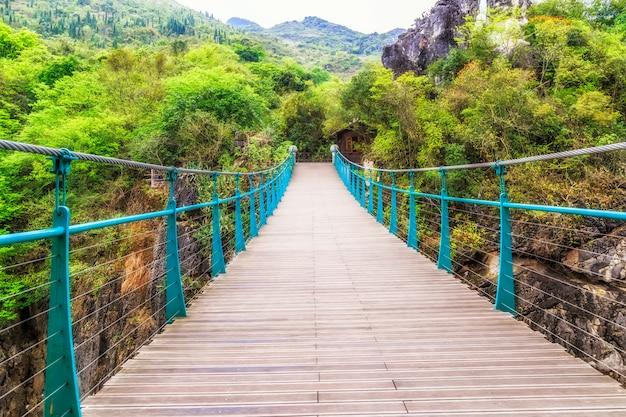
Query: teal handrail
[351,173]
[61,388]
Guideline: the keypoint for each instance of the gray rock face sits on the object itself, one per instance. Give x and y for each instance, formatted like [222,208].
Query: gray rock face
[602,259]
[434,34]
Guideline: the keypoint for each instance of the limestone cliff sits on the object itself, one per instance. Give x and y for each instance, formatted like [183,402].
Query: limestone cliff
[434,34]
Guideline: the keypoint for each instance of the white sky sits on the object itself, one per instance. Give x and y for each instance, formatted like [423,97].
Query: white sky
[363,15]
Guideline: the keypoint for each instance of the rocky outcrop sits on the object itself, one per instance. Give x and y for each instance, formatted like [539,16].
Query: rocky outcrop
[602,259]
[434,34]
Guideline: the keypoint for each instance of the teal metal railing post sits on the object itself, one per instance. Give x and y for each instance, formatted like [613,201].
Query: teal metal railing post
[262,212]
[444,260]
[174,293]
[393,217]
[275,193]
[254,228]
[240,241]
[350,176]
[505,293]
[218,266]
[61,393]
[370,196]
[268,195]
[412,232]
[362,194]
[380,216]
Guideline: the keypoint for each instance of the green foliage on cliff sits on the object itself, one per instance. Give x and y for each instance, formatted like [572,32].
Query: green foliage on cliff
[512,88]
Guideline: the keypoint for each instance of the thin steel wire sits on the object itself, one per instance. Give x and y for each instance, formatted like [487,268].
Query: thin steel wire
[557,244]
[112,261]
[569,284]
[570,324]
[30,378]
[111,241]
[106,352]
[566,229]
[134,290]
[552,295]
[40,403]
[34,316]
[124,275]
[32,261]
[84,342]
[26,291]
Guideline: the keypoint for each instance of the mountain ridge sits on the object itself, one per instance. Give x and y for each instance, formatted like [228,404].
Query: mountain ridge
[314,31]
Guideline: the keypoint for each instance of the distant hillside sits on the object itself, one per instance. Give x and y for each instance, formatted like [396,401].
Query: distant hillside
[245,24]
[314,32]
[110,22]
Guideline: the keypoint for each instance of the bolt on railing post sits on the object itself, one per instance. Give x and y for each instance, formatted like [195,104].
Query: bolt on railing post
[254,228]
[412,232]
[444,260]
[174,294]
[262,212]
[370,199]
[393,218]
[240,241]
[380,216]
[61,391]
[505,293]
[218,266]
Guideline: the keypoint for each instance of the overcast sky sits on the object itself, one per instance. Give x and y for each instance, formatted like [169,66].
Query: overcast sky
[362,15]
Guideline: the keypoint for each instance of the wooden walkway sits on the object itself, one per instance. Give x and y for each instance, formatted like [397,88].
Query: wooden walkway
[328,314]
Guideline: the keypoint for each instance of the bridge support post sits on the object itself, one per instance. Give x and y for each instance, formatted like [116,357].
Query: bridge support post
[444,260]
[240,241]
[370,196]
[351,181]
[254,230]
[174,294]
[273,192]
[355,185]
[393,217]
[262,212]
[412,232]
[505,293]
[268,195]
[272,196]
[61,393]
[363,190]
[380,216]
[218,266]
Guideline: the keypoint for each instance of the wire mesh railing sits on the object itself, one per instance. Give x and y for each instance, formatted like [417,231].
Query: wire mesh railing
[94,301]
[562,278]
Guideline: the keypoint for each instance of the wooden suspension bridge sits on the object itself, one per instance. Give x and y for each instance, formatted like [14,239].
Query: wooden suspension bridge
[327,313]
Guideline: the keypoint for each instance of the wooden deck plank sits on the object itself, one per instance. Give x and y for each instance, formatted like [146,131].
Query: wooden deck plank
[327,314]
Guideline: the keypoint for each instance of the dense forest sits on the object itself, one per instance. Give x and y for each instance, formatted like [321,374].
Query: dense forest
[105,23]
